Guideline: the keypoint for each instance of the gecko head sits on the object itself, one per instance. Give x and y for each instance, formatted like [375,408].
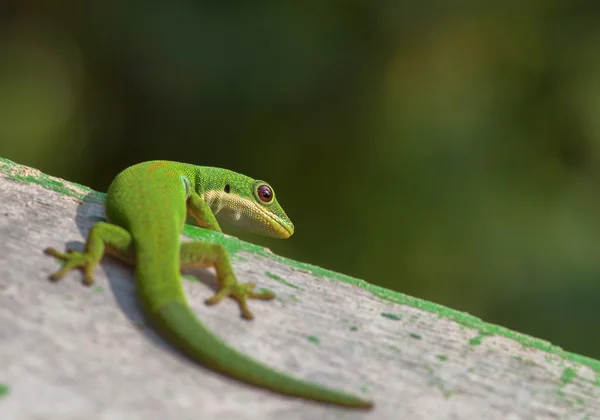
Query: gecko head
[245,204]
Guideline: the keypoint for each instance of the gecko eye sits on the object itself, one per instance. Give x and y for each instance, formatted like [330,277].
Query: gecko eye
[227,187]
[265,193]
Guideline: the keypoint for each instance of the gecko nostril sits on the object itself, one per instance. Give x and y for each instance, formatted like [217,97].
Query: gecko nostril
[227,188]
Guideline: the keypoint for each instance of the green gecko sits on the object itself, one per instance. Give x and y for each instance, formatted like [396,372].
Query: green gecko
[147,206]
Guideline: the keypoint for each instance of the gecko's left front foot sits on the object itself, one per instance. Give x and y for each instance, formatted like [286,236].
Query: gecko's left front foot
[241,292]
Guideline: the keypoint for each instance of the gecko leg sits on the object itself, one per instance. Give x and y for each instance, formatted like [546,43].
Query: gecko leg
[202,254]
[103,237]
[200,214]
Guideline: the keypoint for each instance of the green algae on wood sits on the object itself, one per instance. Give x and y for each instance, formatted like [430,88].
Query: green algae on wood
[4,390]
[567,376]
[476,341]
[281,280]
[391,316]
[313,339]
[525,361]
[29,175]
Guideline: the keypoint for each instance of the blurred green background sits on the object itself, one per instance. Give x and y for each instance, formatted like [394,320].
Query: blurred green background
[451,154]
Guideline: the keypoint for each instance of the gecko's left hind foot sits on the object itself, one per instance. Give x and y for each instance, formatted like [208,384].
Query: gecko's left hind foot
[73,259]
[241,292]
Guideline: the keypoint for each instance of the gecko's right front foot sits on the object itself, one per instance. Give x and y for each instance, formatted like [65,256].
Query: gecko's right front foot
[73,259]
[241,292]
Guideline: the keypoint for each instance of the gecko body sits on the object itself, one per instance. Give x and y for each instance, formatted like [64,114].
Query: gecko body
[147,206]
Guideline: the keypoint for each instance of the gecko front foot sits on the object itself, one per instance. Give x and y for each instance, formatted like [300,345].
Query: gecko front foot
[73,259]
[241,292]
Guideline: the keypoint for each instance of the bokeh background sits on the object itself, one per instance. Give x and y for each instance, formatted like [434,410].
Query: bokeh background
[451,153]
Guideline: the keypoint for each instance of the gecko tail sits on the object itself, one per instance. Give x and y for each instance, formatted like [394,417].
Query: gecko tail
[179,325]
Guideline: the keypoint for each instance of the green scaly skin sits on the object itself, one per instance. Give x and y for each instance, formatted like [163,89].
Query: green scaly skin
[147,206]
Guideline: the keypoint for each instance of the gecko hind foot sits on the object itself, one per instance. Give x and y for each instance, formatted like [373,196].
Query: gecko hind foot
[73,259]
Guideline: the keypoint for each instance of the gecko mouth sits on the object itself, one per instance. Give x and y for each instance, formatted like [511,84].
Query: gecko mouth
[246,214]
[282,229]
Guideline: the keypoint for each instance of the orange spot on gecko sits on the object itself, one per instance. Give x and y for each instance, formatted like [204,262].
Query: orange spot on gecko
[157,165]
